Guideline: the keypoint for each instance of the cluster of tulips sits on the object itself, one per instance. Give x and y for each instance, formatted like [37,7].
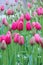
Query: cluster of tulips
[7,39]
[19,25]
[10,8]
[37,39]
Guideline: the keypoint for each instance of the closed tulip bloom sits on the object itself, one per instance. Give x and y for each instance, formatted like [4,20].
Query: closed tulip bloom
[21,40]
[27,16]
[8,33]
[16,0]
[3,45]
[32,41]
[8,39]
[20,25]
[38,26]
[2,37]
[9,12]
[37,38]
[21,18]
[29,5]
[34,13]
[28,25]
[33,24]
[14,26]
[7,2]
[4,21]
[16,37]
[2,7]
[39,11]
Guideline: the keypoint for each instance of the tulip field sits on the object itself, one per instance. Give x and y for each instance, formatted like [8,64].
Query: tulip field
[21,32]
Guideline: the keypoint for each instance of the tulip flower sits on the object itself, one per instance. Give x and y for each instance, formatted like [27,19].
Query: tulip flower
[28,26]
[14,25]
[32,41]
[8,38]
[21,40]
[4,21]
[37,38]
[3,45]
[20,25]
[27,16]
[38,26]
[16,37]
[9,12]
[29,5]
[2,7]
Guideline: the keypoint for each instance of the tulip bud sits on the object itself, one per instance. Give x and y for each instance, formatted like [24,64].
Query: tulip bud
[4,21]
[21,40]
[32,41]
[29,5]
[16,37]
[8,39]
[21,18]
[33,24]
[2,7]
[37,38]
[27,16]
[3,45]
[14,26]
[28,25]
[38,26]
[20,25]
[9,12]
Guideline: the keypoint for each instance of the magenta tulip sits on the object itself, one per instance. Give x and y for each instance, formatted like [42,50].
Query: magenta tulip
[28,26]
[27,16]
[14,25]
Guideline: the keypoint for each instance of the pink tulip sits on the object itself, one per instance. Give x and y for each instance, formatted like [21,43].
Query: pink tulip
[37,38]
[28,25]
[33,24]
[16,37]
[21,17]
[7,2]
[8,33]
[3,45]
[8,39]
[38,26]
[21,40]
[39,11]
[4,21]
[14,25]
[29,5]
[34,13]
[42,11]
[20,25]
[2,37]
[16,0]
[9,12]
[32,41]
[27,16]
[2,7]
